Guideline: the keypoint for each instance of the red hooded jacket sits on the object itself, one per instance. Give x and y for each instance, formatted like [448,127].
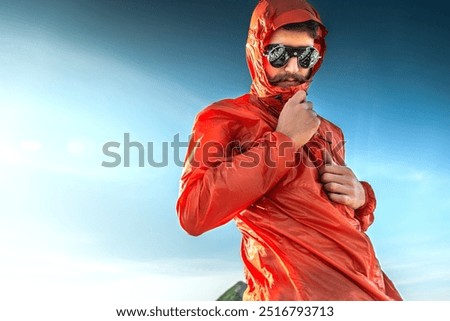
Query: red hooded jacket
[296,243]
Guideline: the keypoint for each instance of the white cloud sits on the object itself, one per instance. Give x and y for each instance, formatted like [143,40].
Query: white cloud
[31,145]
[47,284]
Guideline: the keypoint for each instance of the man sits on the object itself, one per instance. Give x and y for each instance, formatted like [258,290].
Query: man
[268,161]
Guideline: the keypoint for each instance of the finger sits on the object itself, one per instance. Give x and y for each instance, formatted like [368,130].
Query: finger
[340,198]
[326,178]
[333,170]
[299,96]
[307,105]
[327,158]
[337,188]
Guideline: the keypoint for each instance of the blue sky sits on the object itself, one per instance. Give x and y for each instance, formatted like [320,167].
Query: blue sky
[78,74]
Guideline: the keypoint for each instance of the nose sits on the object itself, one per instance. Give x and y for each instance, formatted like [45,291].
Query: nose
[292,65]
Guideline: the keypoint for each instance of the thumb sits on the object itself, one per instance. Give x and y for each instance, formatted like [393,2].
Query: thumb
[327,158]
[299,97]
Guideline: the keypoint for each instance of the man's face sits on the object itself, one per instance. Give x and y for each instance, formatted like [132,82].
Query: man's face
[290,74]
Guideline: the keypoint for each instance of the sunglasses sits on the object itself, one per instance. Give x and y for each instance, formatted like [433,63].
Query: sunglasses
[278,55]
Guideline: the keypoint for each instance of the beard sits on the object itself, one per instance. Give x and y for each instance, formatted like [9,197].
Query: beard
[286,80]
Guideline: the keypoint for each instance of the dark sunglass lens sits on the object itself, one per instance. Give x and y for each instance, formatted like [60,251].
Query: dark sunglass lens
[305,62]
[308,58]
[278,56]
[280,62]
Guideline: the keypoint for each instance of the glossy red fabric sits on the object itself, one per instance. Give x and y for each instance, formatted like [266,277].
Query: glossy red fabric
[296,243]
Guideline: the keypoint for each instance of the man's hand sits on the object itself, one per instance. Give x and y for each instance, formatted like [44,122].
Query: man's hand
[298,120]
[341,184]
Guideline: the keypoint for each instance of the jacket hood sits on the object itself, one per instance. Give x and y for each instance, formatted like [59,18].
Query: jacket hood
[268,16]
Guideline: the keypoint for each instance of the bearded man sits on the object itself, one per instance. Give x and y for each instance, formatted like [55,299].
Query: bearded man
[269,162]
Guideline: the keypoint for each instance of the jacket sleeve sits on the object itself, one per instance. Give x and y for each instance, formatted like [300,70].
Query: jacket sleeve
[365,214]
[219,180]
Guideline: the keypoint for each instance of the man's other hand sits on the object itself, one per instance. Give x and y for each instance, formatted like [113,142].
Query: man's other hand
[341,183]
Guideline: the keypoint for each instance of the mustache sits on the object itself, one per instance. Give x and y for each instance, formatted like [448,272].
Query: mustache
[287,77]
